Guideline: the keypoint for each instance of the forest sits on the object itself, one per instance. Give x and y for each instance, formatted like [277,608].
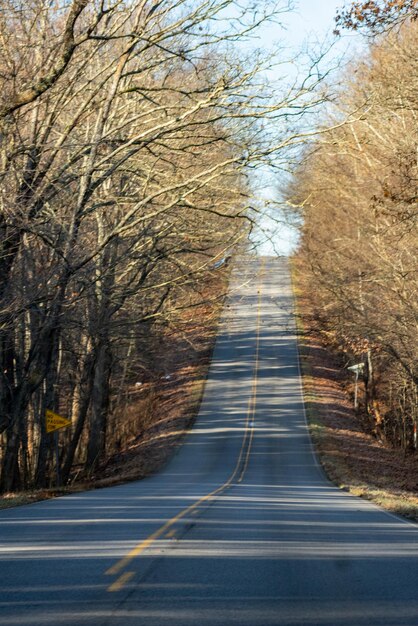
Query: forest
[127,134]
[355,191]
[131,133]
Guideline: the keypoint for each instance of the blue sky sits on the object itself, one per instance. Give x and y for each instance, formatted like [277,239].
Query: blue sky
[310,24]
[311,15]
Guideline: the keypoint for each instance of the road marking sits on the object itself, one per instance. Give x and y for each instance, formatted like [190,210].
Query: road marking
[171,534]
[249,428]
[255,382]
[121,581]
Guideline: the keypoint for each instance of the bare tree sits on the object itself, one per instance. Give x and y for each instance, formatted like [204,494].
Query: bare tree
[357,193]
[124,176]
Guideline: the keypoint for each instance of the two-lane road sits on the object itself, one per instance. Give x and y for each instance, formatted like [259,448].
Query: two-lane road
[241,527]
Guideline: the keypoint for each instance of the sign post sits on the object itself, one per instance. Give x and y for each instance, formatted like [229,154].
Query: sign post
[357,369]
[55,422]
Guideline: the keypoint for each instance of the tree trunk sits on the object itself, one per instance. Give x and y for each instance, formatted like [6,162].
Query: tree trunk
[10,475]
[87,379]
[49,401]
[99,405]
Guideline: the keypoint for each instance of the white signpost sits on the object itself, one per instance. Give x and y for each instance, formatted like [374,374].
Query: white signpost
[357,370]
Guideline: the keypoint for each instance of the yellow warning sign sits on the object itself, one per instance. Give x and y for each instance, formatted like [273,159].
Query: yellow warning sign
[55,421]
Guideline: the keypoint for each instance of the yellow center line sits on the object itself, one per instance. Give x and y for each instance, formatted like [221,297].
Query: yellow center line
[255,383]
[121,581]
[249,428]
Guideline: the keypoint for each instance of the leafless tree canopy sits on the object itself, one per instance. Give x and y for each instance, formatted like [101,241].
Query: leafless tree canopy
[357,192]
[127,131]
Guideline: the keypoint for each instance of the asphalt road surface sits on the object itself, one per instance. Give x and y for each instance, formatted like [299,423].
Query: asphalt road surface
[241,527]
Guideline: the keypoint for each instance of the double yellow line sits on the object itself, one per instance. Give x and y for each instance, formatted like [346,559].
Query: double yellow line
[239,470]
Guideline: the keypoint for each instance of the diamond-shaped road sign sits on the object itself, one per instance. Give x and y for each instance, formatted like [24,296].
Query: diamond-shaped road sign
[55,421]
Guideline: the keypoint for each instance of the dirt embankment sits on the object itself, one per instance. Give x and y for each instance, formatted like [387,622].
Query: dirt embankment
[351,455]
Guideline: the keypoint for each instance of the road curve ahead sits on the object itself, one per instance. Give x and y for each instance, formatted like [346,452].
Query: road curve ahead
[240,528]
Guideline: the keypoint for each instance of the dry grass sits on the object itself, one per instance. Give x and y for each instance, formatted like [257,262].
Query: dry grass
[10,500]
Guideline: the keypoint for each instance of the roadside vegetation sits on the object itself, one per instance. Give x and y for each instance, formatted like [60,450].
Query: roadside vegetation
[157,412]
[355,193]
[349,451]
